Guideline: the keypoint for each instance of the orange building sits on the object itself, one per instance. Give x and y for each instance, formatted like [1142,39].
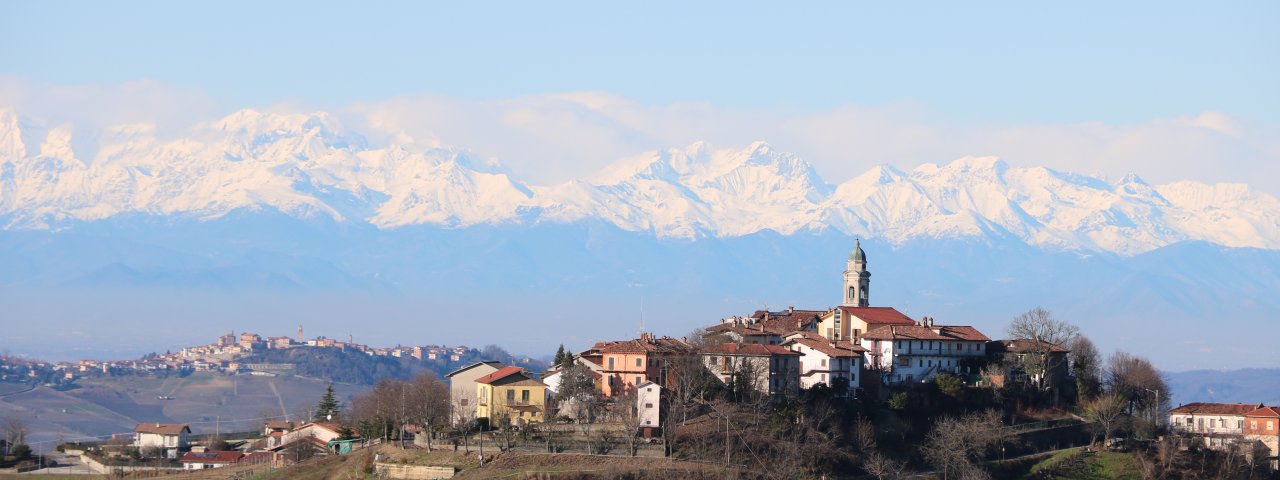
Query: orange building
[629,363]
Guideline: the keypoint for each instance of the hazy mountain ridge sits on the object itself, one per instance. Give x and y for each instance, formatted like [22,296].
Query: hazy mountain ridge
[310,166]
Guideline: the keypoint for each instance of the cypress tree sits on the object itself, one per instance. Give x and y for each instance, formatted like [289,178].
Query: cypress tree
[328,406]
[560,357]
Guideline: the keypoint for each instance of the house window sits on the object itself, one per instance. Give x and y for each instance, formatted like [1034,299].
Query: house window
[638,362]
[1270,425]
[1253,424]
[638,380]
[524,396]
[610,363]
[648,405]
[463,402]
[824,362]
[511,396]
[1240,424]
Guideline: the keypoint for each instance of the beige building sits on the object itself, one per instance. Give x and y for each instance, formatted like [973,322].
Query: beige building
[462,388]
[773,370]
[171,437]
[511,393]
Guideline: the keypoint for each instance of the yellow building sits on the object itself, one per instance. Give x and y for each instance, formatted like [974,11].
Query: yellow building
[512,393]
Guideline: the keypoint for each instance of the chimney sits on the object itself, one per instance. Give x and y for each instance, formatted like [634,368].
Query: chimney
[791,309]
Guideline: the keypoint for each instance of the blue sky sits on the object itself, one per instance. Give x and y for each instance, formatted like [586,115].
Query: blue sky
[1171,90]
[1004,61]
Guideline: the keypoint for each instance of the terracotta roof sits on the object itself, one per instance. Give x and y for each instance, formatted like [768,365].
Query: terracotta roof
[1203,408]
[161,428]
[211,457]
[754,349]
[1264,411]
[878,315]
[786,321]
[502,373]
[758,329]
[1022,345]
[647,345]
[841,348]
[920,332]
[279,425]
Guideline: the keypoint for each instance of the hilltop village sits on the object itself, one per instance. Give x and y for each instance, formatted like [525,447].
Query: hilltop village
[854,390]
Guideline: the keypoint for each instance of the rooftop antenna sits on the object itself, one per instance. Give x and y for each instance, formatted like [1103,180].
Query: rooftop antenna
[642,313]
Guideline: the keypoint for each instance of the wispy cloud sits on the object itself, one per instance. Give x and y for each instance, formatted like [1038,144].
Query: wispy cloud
[554,137]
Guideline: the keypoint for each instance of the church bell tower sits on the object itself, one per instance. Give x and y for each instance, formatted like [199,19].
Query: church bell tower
[857,280]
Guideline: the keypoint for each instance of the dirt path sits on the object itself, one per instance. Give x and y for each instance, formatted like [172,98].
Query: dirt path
[279,399]
[30,388]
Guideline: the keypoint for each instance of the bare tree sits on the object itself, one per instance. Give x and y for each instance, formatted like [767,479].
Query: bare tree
[15,430]
[1143,388]
[957,444]
[578,395]
[627,415]
[1046,333]
[427,403]
[882,467]
[1108,411]
[464,417]
[1157,461]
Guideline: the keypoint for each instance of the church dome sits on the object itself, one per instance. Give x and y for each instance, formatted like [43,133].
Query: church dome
[857,255]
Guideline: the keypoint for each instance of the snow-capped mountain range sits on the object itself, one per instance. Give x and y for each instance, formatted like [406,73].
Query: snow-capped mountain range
[310,166]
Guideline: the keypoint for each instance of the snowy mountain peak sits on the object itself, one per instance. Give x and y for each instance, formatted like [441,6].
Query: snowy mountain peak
[310,166]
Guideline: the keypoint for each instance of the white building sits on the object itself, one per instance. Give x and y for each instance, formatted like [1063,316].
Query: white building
[171,437]
[1218,425]
[826,362]
[917,353]
[205,460]
[649,408]
[773,370]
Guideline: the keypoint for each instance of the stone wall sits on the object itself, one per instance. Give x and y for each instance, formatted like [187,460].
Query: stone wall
[413,472]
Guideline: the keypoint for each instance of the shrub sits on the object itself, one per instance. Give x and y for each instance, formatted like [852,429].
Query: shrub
[20,451]
[898,401]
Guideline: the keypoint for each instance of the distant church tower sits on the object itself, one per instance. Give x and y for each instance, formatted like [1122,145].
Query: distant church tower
[857,280]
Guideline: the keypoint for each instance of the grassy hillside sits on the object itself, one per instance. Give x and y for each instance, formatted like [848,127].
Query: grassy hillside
[208,402]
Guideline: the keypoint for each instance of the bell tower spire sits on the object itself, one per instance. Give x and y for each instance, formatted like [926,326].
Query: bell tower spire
[857,280]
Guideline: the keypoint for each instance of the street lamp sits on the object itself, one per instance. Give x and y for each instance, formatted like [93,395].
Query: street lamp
[1157,413]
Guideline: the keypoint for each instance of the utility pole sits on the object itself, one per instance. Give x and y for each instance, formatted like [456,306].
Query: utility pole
[402,416]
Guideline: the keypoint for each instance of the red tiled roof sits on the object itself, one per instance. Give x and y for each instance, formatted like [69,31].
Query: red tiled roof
[211,457]
[161,428]
[1269,412]
[878,315]
[754,349]
[920,332]
[502,373]
[279,425]
[650,345]
[758,329]
[841,348]
[786,321]
[1204,408]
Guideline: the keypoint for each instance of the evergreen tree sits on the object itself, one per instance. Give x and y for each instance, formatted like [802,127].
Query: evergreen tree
[561,357]
[328,407]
